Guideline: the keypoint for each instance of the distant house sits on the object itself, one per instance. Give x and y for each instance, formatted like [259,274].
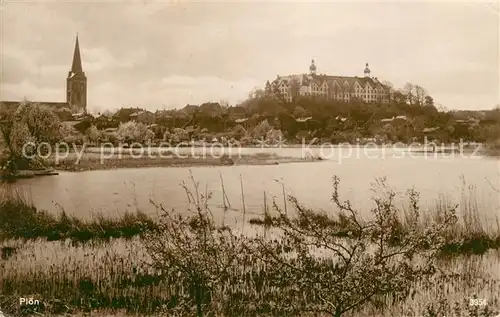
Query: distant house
[181,115]
[190,109]
[212,109]
[246,123]
[157,129]
[123,115]
[164,114]
[163,117]
[161,113]
[466,122]
[105,121]
[237,112]
[103,118]
[143,116]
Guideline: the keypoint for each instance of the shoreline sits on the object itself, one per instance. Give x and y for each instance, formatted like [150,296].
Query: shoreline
[267,150]
[127,161]
[310,144]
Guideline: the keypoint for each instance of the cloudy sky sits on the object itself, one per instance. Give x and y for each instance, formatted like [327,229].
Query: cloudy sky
[168,54]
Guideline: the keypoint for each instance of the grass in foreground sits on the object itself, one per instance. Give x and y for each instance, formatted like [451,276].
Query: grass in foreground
[114,276]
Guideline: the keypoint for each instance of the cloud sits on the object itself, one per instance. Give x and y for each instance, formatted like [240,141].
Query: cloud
[32,92]
[176,91]
[476,101]
[171,91]
[157,53]
[97,59]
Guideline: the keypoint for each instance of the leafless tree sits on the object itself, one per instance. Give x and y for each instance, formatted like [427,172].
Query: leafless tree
[334,265]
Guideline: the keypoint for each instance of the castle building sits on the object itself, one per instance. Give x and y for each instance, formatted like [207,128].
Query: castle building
[76,88]
[342,88]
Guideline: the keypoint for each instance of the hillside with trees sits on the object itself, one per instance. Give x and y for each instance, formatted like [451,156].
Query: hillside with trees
[410,116]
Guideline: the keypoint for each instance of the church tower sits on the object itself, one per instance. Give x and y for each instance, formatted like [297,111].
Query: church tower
[76,83]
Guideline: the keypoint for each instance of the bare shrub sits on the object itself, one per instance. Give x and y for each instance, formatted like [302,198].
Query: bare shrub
[337,264]
[201,254]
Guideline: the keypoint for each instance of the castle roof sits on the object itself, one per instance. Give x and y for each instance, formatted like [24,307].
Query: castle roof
[305,80]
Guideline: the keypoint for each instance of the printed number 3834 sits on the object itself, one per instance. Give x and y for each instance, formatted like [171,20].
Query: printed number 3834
[477,302]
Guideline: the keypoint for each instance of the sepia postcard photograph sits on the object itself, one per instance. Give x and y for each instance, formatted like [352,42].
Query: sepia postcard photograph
[249,158]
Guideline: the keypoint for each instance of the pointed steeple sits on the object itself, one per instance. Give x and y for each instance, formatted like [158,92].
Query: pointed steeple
[76,67]
[76,83]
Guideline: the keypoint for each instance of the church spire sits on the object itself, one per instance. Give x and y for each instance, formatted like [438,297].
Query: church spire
[76,67]
[76,83]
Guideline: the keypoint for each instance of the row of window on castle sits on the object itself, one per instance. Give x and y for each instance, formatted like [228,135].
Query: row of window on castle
[357,94]
[357,90]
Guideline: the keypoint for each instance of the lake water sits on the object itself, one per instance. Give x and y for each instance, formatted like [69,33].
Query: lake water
[112,192]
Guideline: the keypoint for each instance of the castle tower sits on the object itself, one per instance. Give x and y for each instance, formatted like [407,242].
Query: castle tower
[312,68]
[76,83]
[268,87]
[367,71]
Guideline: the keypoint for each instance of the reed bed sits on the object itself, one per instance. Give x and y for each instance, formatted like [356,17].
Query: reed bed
[68,278]
[19,218]
[115,275]
[450,292]
[477,228]
[476,231]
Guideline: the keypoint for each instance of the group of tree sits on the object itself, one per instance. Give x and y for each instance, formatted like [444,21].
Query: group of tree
[24,128]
